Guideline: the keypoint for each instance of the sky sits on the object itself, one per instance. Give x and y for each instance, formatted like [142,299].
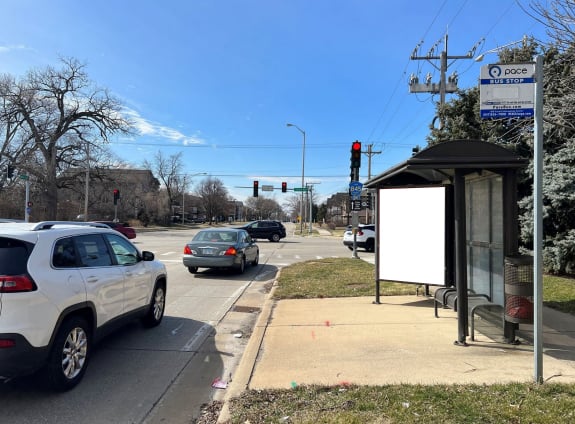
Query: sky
[219,80]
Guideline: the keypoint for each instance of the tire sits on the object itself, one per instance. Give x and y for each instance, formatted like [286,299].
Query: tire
[275,238]
[256,260]
[193,269]
[370,245]
[155,314]
[70,354]
[242,266]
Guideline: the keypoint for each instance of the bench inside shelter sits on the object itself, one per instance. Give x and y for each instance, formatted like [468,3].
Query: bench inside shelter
[479,308]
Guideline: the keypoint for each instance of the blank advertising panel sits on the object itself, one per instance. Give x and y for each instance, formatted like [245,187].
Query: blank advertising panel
[412,235]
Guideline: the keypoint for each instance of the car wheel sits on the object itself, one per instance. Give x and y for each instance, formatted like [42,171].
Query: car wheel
[70,353]
[275,238]
[193,269]
[256,260]
[242,266]
[157,306]
[370,245]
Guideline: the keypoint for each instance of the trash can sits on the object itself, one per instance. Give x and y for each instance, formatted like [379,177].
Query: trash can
[518,280]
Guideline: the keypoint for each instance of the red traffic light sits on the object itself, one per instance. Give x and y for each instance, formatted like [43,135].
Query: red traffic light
[355,160]
[256,187]
[284,187]
[116,196]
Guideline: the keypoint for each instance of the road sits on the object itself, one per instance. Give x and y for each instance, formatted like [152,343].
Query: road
[165,374]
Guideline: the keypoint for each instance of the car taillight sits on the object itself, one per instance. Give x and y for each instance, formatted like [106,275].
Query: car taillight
[187,250]
[4,343]
[16,283]
[359,233]
[231,251]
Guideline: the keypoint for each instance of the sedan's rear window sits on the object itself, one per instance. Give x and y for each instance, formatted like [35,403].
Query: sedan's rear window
[13,256]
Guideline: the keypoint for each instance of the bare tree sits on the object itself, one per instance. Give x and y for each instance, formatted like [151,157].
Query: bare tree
[559,18]
[214,197]
[59,112]
[264,208]
[169,171]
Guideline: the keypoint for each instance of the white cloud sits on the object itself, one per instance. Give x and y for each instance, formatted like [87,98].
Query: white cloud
[151,129]
[9,48]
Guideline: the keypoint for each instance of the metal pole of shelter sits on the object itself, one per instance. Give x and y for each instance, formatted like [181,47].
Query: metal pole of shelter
[460,257]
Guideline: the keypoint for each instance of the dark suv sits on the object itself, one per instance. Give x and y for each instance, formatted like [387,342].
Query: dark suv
[267,229]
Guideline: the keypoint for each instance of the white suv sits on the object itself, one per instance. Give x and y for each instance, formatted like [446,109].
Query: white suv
[365,237]
[63,286]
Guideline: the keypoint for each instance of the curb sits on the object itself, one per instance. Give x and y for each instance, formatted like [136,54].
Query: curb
[247,364]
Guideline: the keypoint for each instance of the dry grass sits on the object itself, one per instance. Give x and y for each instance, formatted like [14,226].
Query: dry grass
[334,277]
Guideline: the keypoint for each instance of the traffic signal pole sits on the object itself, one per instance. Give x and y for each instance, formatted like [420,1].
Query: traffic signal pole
[355,164]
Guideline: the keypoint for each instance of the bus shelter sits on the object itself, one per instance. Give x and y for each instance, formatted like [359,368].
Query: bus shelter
[448,217]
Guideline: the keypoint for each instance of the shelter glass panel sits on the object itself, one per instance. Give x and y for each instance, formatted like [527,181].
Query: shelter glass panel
[484,198]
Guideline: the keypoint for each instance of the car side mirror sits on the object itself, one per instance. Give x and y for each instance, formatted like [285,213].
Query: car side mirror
[147,256]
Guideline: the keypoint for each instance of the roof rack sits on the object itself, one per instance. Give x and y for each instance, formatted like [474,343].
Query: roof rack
[46,225]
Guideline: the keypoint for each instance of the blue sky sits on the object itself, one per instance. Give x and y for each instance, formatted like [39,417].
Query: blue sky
[220,79]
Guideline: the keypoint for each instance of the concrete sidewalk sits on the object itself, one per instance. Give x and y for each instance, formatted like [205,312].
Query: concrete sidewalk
[354,341]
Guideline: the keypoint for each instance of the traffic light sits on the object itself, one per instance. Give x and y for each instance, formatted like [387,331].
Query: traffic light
[10,171]
[284,187]
[256,186]
[355,160]
[355,154]
[116,196]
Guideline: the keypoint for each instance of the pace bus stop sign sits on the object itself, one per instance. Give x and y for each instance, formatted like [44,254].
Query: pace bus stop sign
[507,91]
[355,188]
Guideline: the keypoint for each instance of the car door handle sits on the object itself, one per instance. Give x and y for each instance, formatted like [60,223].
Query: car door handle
[92,279]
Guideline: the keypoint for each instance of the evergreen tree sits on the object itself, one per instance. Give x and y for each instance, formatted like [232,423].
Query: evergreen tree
[462,121]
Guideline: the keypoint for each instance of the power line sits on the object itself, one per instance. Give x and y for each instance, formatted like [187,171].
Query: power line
[330,146]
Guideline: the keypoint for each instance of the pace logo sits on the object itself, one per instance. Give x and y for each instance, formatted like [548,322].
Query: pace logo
[495,71]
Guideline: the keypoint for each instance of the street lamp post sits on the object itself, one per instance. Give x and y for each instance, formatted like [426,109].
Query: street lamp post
[302,176]
[497,49]
[184,192]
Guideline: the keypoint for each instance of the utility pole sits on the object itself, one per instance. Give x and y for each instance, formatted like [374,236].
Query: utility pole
[369,154]
[446,84]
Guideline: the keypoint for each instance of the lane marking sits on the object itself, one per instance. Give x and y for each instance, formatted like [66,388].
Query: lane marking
[198,338]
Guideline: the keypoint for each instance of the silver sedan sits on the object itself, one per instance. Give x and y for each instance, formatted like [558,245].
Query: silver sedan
[221,248]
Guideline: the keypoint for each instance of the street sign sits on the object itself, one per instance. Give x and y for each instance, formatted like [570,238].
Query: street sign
[365,202]
[507,91]
[23,176]
[356,205]
[304,189]
[267,188]
[355,188]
